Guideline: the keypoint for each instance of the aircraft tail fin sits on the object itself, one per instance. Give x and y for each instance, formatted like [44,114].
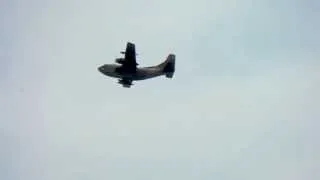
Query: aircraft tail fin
[168,66]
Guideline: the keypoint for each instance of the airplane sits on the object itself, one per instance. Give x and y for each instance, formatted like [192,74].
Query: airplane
[127,69]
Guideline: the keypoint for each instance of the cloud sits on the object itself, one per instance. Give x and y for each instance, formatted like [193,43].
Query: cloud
[237,107]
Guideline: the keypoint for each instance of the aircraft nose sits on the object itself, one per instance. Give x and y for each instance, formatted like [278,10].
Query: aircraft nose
[100,68]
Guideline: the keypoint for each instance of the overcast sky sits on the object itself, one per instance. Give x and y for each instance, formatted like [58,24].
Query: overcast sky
[243,104]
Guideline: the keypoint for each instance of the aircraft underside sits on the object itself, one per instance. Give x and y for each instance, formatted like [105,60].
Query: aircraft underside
[127,79]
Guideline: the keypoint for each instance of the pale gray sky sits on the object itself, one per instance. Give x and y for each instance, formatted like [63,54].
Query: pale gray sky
[243,104]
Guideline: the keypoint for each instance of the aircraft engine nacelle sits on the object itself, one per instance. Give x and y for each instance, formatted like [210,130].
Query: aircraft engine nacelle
[120,60]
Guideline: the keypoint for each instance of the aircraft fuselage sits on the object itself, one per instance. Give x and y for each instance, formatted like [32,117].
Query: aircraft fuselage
[112,70]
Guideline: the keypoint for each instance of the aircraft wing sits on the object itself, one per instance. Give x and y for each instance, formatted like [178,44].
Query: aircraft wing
[130,56]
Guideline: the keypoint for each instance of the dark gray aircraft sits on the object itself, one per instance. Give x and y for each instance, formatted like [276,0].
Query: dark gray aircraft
[127,71]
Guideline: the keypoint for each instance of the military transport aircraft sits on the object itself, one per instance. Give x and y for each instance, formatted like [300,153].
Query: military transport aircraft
[127,71]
